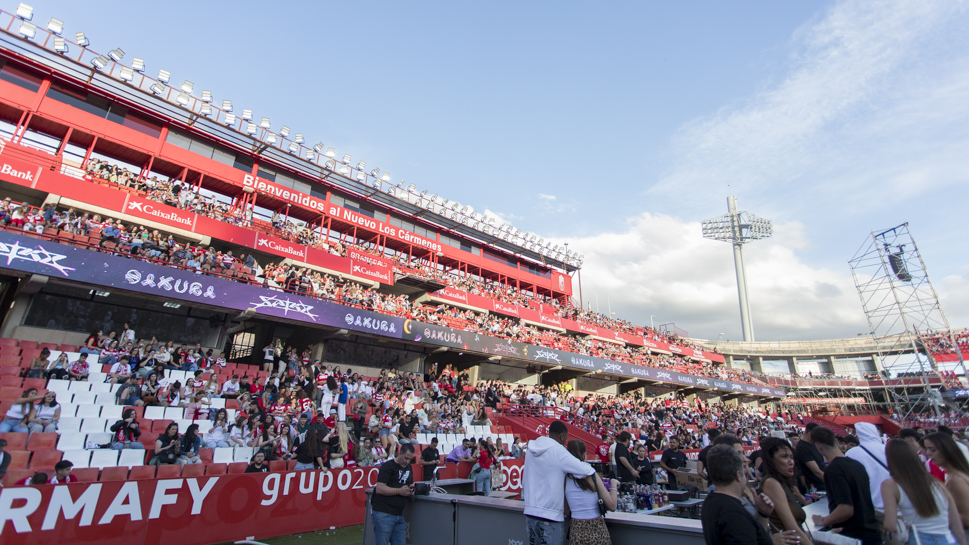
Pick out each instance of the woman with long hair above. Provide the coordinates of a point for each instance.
(58, 368)
(918, 499)
(778, 484)
(309, 455)
(267, 442)
(150, 389)
(486, 457)
(45, 415)
(191, 444)
(166, 447)
(17, 414)
(238, 432)
(943, 450)
(582, 495)
(218, 436)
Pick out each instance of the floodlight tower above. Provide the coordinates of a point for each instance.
(738, 228)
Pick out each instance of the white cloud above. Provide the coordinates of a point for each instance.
(682, 277)
(860, 107)
(545, 197)
(872, 112)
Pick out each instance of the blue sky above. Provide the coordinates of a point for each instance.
(618, 127)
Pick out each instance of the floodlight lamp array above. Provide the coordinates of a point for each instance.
(378, 179)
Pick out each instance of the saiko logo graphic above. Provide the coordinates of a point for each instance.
(149, 209)
(547, 355)
(40, 256)
(765, 391)
(169, 283)
(504, 348)
(615, 367)
(663, 375)
(286, 305)
(702, 382)
(372, 324)
(285, 248)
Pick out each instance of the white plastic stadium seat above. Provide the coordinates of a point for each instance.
(80, 458)
(223, 455)
(99, 387)
(105, 398)
(93, 425)
(112, 412)
(68, 409)
(217, 403)
(84, 398)
(99, 438)
(88, 411)
(243, 454)
(174, 413)
(96, 377)
(155, 413)
(79, 386)
(132, 457)
(69, 424)
(104, 458)
(70, 441)
(56, 385)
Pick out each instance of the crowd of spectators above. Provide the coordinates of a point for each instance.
(184, 196)
(164, 248)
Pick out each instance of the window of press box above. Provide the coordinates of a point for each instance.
(103, 108)
(208, 150)
(180, 323)
(21, 77)
(509, 261)
(364, 209)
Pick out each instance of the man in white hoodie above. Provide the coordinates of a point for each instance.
(547, 463)
(871, 454)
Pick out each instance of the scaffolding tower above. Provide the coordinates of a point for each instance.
(899, 300)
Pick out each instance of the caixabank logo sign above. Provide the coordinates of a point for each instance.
(154, 210)
(282, 247)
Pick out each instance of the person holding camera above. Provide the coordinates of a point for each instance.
(126, 432)
(395, 482)
(167, 447)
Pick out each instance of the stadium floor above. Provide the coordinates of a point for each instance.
(351, 535)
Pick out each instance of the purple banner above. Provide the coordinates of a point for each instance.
(110, 271)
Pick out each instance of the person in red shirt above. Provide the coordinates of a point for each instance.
(603, 449)
(80, 369)
(280, 408)
(62, 473)
(486, 457)
(303, 403)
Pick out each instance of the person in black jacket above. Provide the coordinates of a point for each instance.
(126, 432)
(724, 519)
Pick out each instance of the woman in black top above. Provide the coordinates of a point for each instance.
(642, 464)
(308, 452)
(166, 447)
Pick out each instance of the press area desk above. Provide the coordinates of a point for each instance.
(445, 519)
